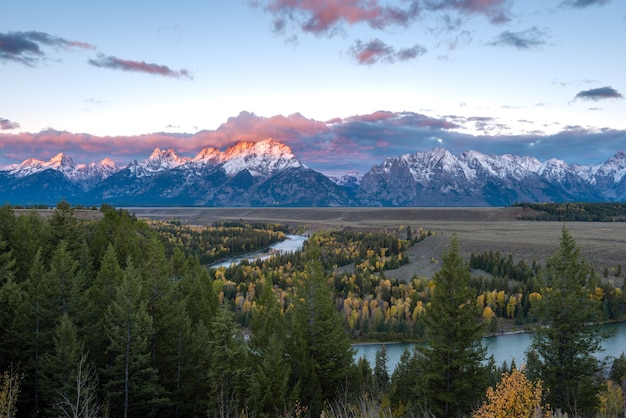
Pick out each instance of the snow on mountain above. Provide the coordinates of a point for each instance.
(351, 177)
(436, 178)
(208, 155)
(59, 162)
(164, 160)
(614, 168)
(260, 159)
(77, 173)
(555, 170)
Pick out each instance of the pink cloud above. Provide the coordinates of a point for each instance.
(326, 16)
(356, 141)
(83, 45)
(104, 61)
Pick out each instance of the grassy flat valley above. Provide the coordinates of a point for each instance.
(478, 229)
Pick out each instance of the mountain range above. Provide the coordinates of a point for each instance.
(267, 173)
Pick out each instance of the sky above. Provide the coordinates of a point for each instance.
(344, 83)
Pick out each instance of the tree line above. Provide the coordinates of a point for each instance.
(574, 211)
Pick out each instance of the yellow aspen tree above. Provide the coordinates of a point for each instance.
(510, 307)
(514, 396)
(480, 301)
(418, 311)
(500, 298)
(365, 312)
(488, 314)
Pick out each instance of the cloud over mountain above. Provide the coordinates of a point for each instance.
(334, 146)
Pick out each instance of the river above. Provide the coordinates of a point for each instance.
(291, 244)
(505, 347)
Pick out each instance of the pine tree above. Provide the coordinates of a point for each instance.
(36, 321)
(404, 381)
(381, 374)
(29, 235)
(562, 350)
(228, 370)
(322, 353)
(11, 298)
(452, 363)
(57, 367)
(131, 381)
(268, 345)
(99, 297)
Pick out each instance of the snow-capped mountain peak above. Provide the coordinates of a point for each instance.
(208, 154)
(60, 160)
(164, 160)
(614, 168)
(260, 159)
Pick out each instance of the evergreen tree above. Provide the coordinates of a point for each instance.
(321, 349)
(99, 297)
(131, 381)
(66, 283)
(29, 235)
(562, 350)
(64, 226)
(452, 363)
(381, 374)
(404, 381)
(36, 320)
(228, 370)
(270, 367)
(12, 297)
(57, 367)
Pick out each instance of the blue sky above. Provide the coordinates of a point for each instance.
(344, 83)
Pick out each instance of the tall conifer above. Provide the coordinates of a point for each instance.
(452, 363)
(563, 347)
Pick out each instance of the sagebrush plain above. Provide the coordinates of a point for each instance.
(478, 229)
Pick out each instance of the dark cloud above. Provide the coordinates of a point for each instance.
(107, 61)
(495, 10)
(26, 47)
(584, 3)
(333, 147)
(600, 93)
(376, 51)
(527, 39)
(6, 124)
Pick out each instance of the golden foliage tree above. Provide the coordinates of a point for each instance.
(514, 396)
(9, 390)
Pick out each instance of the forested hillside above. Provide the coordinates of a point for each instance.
(119, 316)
